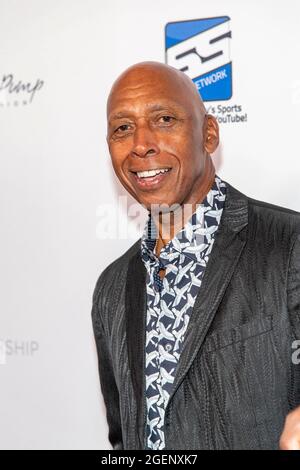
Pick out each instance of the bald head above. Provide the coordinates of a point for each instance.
(157, 75)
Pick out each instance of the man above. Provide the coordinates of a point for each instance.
(196, 323)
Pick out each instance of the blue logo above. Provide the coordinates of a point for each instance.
(201, 49)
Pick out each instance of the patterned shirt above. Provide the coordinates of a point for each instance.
(170, 300)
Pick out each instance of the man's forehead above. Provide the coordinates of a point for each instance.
(148, 98)
(125, 108)
(152, 85)
(143, 89)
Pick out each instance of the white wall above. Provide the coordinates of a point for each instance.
(55, 172)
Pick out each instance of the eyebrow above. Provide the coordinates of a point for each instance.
(151, 108)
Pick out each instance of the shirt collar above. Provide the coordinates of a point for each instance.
(195, 232)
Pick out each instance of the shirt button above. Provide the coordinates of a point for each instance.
(168, 347)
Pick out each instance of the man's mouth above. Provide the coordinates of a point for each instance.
(151, 178)
(151, 173)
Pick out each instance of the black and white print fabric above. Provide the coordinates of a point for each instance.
(170, 300)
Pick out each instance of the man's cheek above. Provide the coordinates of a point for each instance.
(121, 146)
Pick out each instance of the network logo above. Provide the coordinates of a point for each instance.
(201, 49)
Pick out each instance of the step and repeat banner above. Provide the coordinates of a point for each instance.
(65, 217)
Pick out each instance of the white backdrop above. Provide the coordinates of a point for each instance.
(55, 173)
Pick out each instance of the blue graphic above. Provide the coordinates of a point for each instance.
(201, 48)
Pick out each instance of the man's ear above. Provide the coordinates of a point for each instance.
(210, 133)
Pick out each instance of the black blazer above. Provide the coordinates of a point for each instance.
(235, 380)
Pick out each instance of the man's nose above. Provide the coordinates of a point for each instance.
(144, 143)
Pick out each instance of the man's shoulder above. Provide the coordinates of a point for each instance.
(114, 274)
(269, 213)
(273, 208)
(265, 213)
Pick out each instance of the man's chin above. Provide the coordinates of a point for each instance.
(162, 205)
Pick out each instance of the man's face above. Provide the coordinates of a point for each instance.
(155, 124)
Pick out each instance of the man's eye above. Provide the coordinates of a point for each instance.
(122, 128)
(166, 119)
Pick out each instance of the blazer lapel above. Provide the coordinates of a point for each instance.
(135, 312)
(228, 245)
